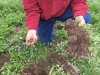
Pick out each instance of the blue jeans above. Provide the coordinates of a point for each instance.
(45, 27)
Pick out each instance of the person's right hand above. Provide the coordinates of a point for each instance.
(31, 37)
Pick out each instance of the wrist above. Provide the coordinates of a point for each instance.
(33, 30)
(79, 16)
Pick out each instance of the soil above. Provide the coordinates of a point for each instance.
(3, 59)
(78, 47)
(78, 40)
(18, 28)
(40, 67)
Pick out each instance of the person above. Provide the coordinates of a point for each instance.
(42, 14)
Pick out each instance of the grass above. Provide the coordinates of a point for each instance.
(12, 15)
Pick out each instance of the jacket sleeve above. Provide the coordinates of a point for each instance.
(79, 7)
(32, 11)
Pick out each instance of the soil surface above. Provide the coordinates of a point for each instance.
(78, 47)
(40, 67)
(3, 59)
(18, 28)
(78, 40)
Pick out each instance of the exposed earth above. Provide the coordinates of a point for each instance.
(78, 40)
(3, 59)
(40, 67)
(78, 47)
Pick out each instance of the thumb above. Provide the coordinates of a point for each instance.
(80, 20)
(82, 23)
(29, 39)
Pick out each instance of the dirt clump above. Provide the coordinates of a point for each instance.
(40, 67)
(78, 46)
(78, 40)
(3, 59)
(17, 29)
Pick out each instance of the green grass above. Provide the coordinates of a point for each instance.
(11, 15)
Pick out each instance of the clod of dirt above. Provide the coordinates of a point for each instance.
(18, 28)
(78, 39)
(3, 59)
(40, 67)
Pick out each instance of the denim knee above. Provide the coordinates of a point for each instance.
(87, 18)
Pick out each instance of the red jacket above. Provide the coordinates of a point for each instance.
(46, 9)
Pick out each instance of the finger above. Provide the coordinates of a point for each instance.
(82, 24)
(34, 39)
(30, 42)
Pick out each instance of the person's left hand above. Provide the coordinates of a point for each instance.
(81, 20)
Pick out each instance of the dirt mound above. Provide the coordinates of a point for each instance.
(3, 59)
(78, 39)
(40, 67)
(78, 46)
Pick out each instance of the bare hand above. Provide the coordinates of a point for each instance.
(31, 37)
(81, 20)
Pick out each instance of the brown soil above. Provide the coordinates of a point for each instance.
(40, 67)
(78, 46)
(78, 39)
(3, 59)
(18, 28)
